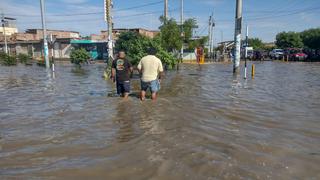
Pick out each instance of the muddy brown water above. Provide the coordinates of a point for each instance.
(206, 124)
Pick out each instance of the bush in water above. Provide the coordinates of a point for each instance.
(8, 60)
(79, 56)
(24, 58)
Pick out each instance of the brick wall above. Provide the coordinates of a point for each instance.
(58, 34)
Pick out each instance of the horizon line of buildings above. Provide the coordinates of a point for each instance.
(31, 41)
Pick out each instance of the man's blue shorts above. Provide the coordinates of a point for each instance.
(153, 85)
(123, 87)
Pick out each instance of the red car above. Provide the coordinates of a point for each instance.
(299, 56)
(296, 55)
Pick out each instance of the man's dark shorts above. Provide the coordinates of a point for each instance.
(123, 87)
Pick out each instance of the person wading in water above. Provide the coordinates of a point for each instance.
(151, 70)
(121, 72)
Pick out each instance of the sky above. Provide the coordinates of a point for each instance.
(264, 18)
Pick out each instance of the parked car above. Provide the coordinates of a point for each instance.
(295, 54)
(276, 54)
(313, 54)
(260, 55)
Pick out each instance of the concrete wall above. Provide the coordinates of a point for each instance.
(57, 33)
(9, 30)
(65, 50)
(61, 49)
(189, 57)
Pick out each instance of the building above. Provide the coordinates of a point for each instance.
(59, 34)
(116, 32)
(97, 49)
(31, 43)
(9, 28)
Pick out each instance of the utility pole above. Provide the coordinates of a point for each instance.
(182, 29)
(166, 9)
(209, 35)
(247, 42)
(108, 19)
(44, 32)
(221, 35)
(246, 52)
(213, 24)
(237, 36)
(52, 40)
(4, 34)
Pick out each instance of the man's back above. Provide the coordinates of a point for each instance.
(150, 66)
(122, 67)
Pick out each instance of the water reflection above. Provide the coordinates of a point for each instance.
(125, 119)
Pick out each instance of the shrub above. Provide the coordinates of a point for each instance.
(8, 60)
(79, 56)
(24, 58)
(2, 57)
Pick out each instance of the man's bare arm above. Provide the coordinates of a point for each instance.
(113, 74)
(161, 75)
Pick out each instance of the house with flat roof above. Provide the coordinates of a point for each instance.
(31, 43)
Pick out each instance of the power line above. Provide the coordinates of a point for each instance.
(89, 13)
(100, 19)
(275, 15)
(139, 6)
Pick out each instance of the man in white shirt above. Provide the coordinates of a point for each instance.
(151, 70)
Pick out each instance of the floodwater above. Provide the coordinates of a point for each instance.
(206, 124)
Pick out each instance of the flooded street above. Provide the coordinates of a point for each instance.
(206, 124)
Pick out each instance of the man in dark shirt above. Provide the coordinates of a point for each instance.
(121, 71)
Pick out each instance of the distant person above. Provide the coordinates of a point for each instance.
(120, 73)
(199, 53)
(151, 70)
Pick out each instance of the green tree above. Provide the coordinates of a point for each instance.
(289, 40)
(256, 43)
(188, 26)
(311, 38)
(170, 35)
(79, 56)
(197, 42)
(136, 46)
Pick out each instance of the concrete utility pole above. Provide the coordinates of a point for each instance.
(182, 30)
(246, 52)
(52, 40)
(213, 24)
(166, 9)
(237, 36)
(4, 33)
(209, 35)
(108, 19)
(247, 42)
(44, 32)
